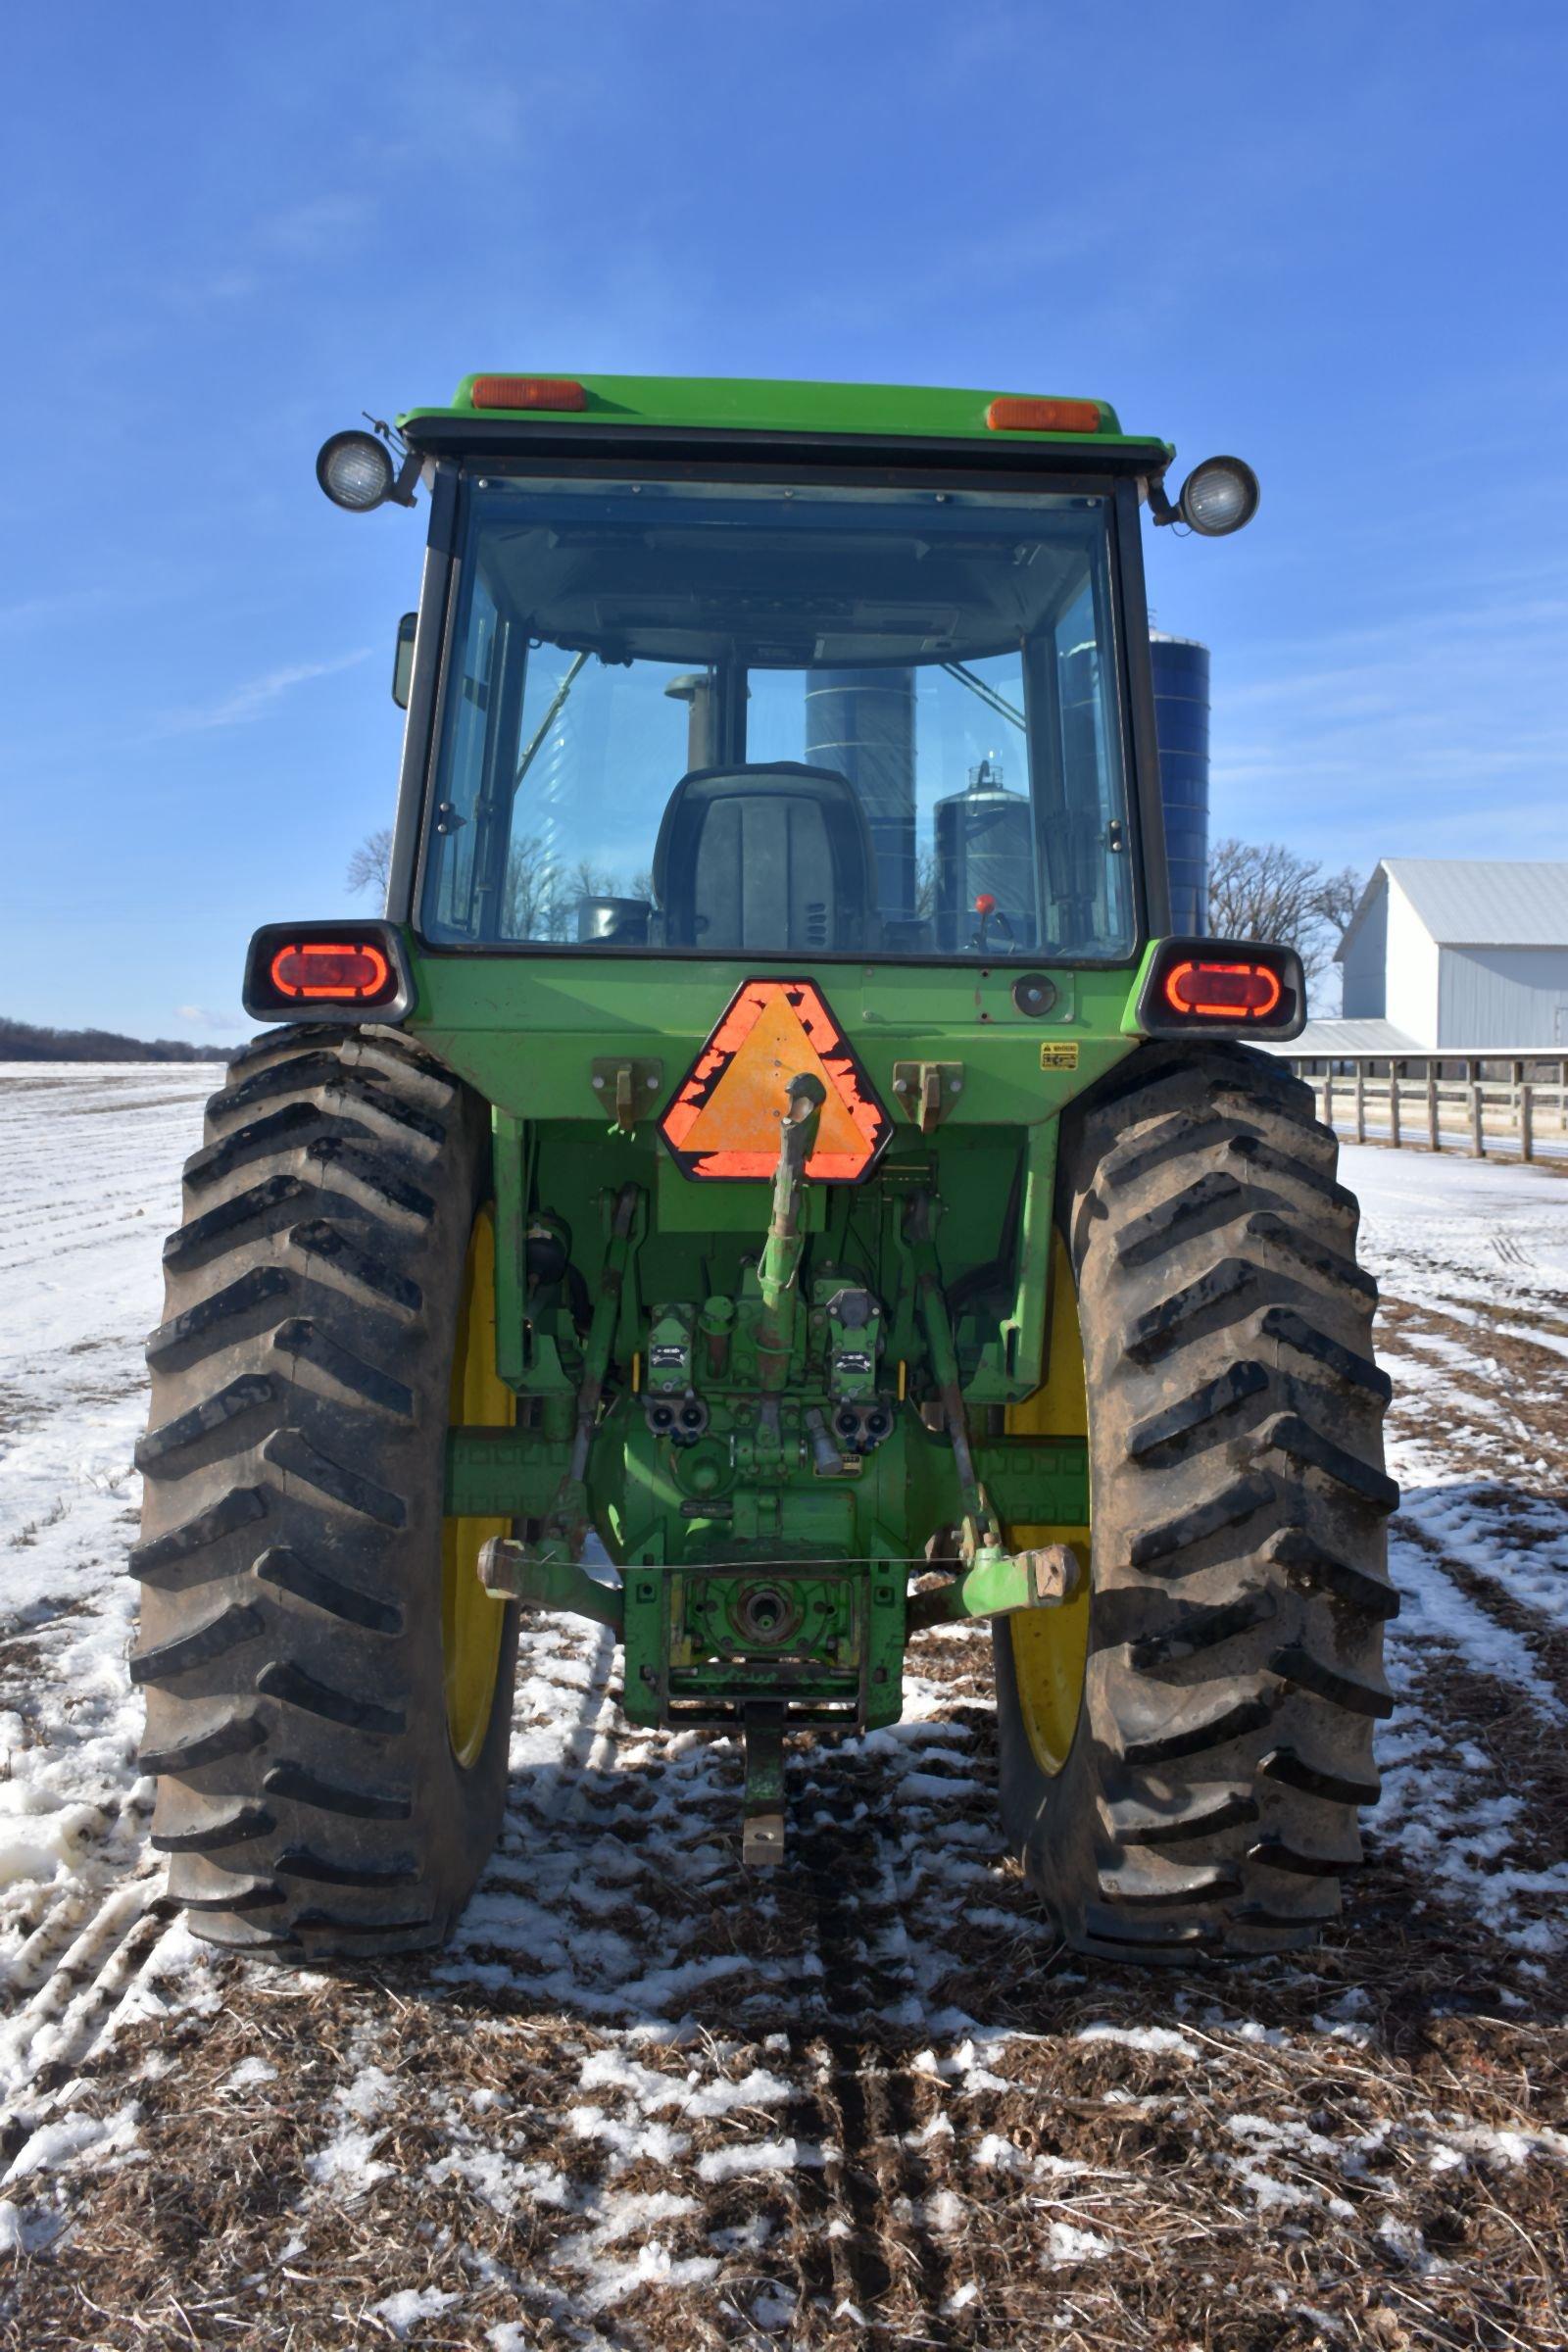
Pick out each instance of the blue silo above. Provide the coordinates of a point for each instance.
(1181, 729)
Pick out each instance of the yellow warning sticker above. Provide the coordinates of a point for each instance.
(1060, 1058)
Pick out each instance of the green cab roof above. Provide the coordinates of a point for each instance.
(672, 404)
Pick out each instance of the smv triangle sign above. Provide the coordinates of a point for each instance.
(724, 1119)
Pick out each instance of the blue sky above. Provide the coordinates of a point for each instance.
(1329, 239)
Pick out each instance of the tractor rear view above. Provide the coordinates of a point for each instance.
(771, 1185)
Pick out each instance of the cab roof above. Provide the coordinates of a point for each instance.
(667, 407)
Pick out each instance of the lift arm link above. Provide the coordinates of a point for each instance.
(541, 1577)
(569, 1511)
(996, 1588)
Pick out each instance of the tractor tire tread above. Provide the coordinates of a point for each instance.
(240, 1826)
(1210, 1801)
(290, 1650)
(289, 1573)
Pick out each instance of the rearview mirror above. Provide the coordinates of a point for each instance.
(403, 660)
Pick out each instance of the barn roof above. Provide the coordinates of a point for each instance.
(1326, 1039)
(1477, 901)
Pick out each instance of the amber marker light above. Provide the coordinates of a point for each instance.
(346, 971)
(1223, 991)
(528, 392)
(1010, 414)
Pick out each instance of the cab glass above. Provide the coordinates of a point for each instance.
(781, 720)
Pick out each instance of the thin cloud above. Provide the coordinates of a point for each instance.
(1433, 732)
(42, 612)
(257, 696)
(321, 226)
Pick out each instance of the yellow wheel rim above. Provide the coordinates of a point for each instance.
(1050, 1646)
(470, 1621)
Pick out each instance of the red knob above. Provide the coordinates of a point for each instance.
(985, 903)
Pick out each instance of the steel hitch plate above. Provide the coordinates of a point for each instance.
(763, 1807)
(629, 1090)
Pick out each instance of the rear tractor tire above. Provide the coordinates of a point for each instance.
(1183, 1753)
(328, 1691)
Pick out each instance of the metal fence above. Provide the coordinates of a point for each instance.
(1513, 1104)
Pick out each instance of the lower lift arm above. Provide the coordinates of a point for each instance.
(995, 1581)
(767, 1677)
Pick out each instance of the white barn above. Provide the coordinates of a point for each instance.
(1469, 954)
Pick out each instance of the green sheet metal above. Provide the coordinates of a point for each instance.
(786, 409)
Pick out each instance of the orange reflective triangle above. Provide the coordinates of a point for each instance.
(724, 1120)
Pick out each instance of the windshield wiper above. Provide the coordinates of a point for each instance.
(988, 694)
(579, 662)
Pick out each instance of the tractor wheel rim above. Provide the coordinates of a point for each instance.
(471, 1622)
(1050, 1646)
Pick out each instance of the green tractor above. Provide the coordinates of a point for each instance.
(771, 1186)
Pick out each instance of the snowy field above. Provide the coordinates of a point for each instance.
(644, 2102)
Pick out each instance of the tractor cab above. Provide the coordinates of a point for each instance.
(815, 692)
(781, 717)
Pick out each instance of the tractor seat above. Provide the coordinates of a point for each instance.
(773, 857)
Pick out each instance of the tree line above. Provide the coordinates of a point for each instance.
(1261, 890)
(26, 1041)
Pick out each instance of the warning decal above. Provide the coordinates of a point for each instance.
(724, 1120)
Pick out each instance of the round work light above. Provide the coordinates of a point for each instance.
(355, 469)
(1220, 496)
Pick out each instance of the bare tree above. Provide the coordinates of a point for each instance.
(371, 862)
(1261, 890)
(589, 881)
(528, 903)
(925, 882)
(1339, 897)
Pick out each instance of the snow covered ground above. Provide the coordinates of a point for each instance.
(645, 2101)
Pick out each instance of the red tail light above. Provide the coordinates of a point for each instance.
(1223, 991)
(1228, 986)
(327, 971)
(320, 968)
